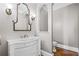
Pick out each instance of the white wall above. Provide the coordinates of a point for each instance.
(6, 26)
(65, 23)
(60, 5)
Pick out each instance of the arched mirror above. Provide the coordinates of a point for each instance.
(22, 22)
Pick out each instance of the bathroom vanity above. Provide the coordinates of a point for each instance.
(24, 47)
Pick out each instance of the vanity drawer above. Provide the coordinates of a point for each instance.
(25, 44)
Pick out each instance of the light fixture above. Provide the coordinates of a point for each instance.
(33, 18)
(8, 9)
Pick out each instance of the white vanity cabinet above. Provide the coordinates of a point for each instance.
(24, 47)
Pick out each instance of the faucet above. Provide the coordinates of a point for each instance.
(24, 36)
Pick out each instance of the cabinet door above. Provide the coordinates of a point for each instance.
(25, 49)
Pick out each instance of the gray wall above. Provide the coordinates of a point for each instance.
(65, 25)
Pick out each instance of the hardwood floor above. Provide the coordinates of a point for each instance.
(64, 52)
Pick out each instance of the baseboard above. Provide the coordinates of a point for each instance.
(68, 47)
(45, 53)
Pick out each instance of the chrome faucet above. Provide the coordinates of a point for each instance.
(24, 36)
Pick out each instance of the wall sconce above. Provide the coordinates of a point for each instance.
(8, 11)
(33, 18)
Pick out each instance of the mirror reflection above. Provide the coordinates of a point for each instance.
(44, 18)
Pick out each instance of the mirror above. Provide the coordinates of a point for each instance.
(43, 22)
(22, 22)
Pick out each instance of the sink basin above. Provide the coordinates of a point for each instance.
(27, 39)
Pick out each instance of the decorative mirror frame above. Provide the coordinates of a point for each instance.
(14, 22)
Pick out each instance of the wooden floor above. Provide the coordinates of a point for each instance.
(64, 52)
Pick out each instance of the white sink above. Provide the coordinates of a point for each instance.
(17, 40)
